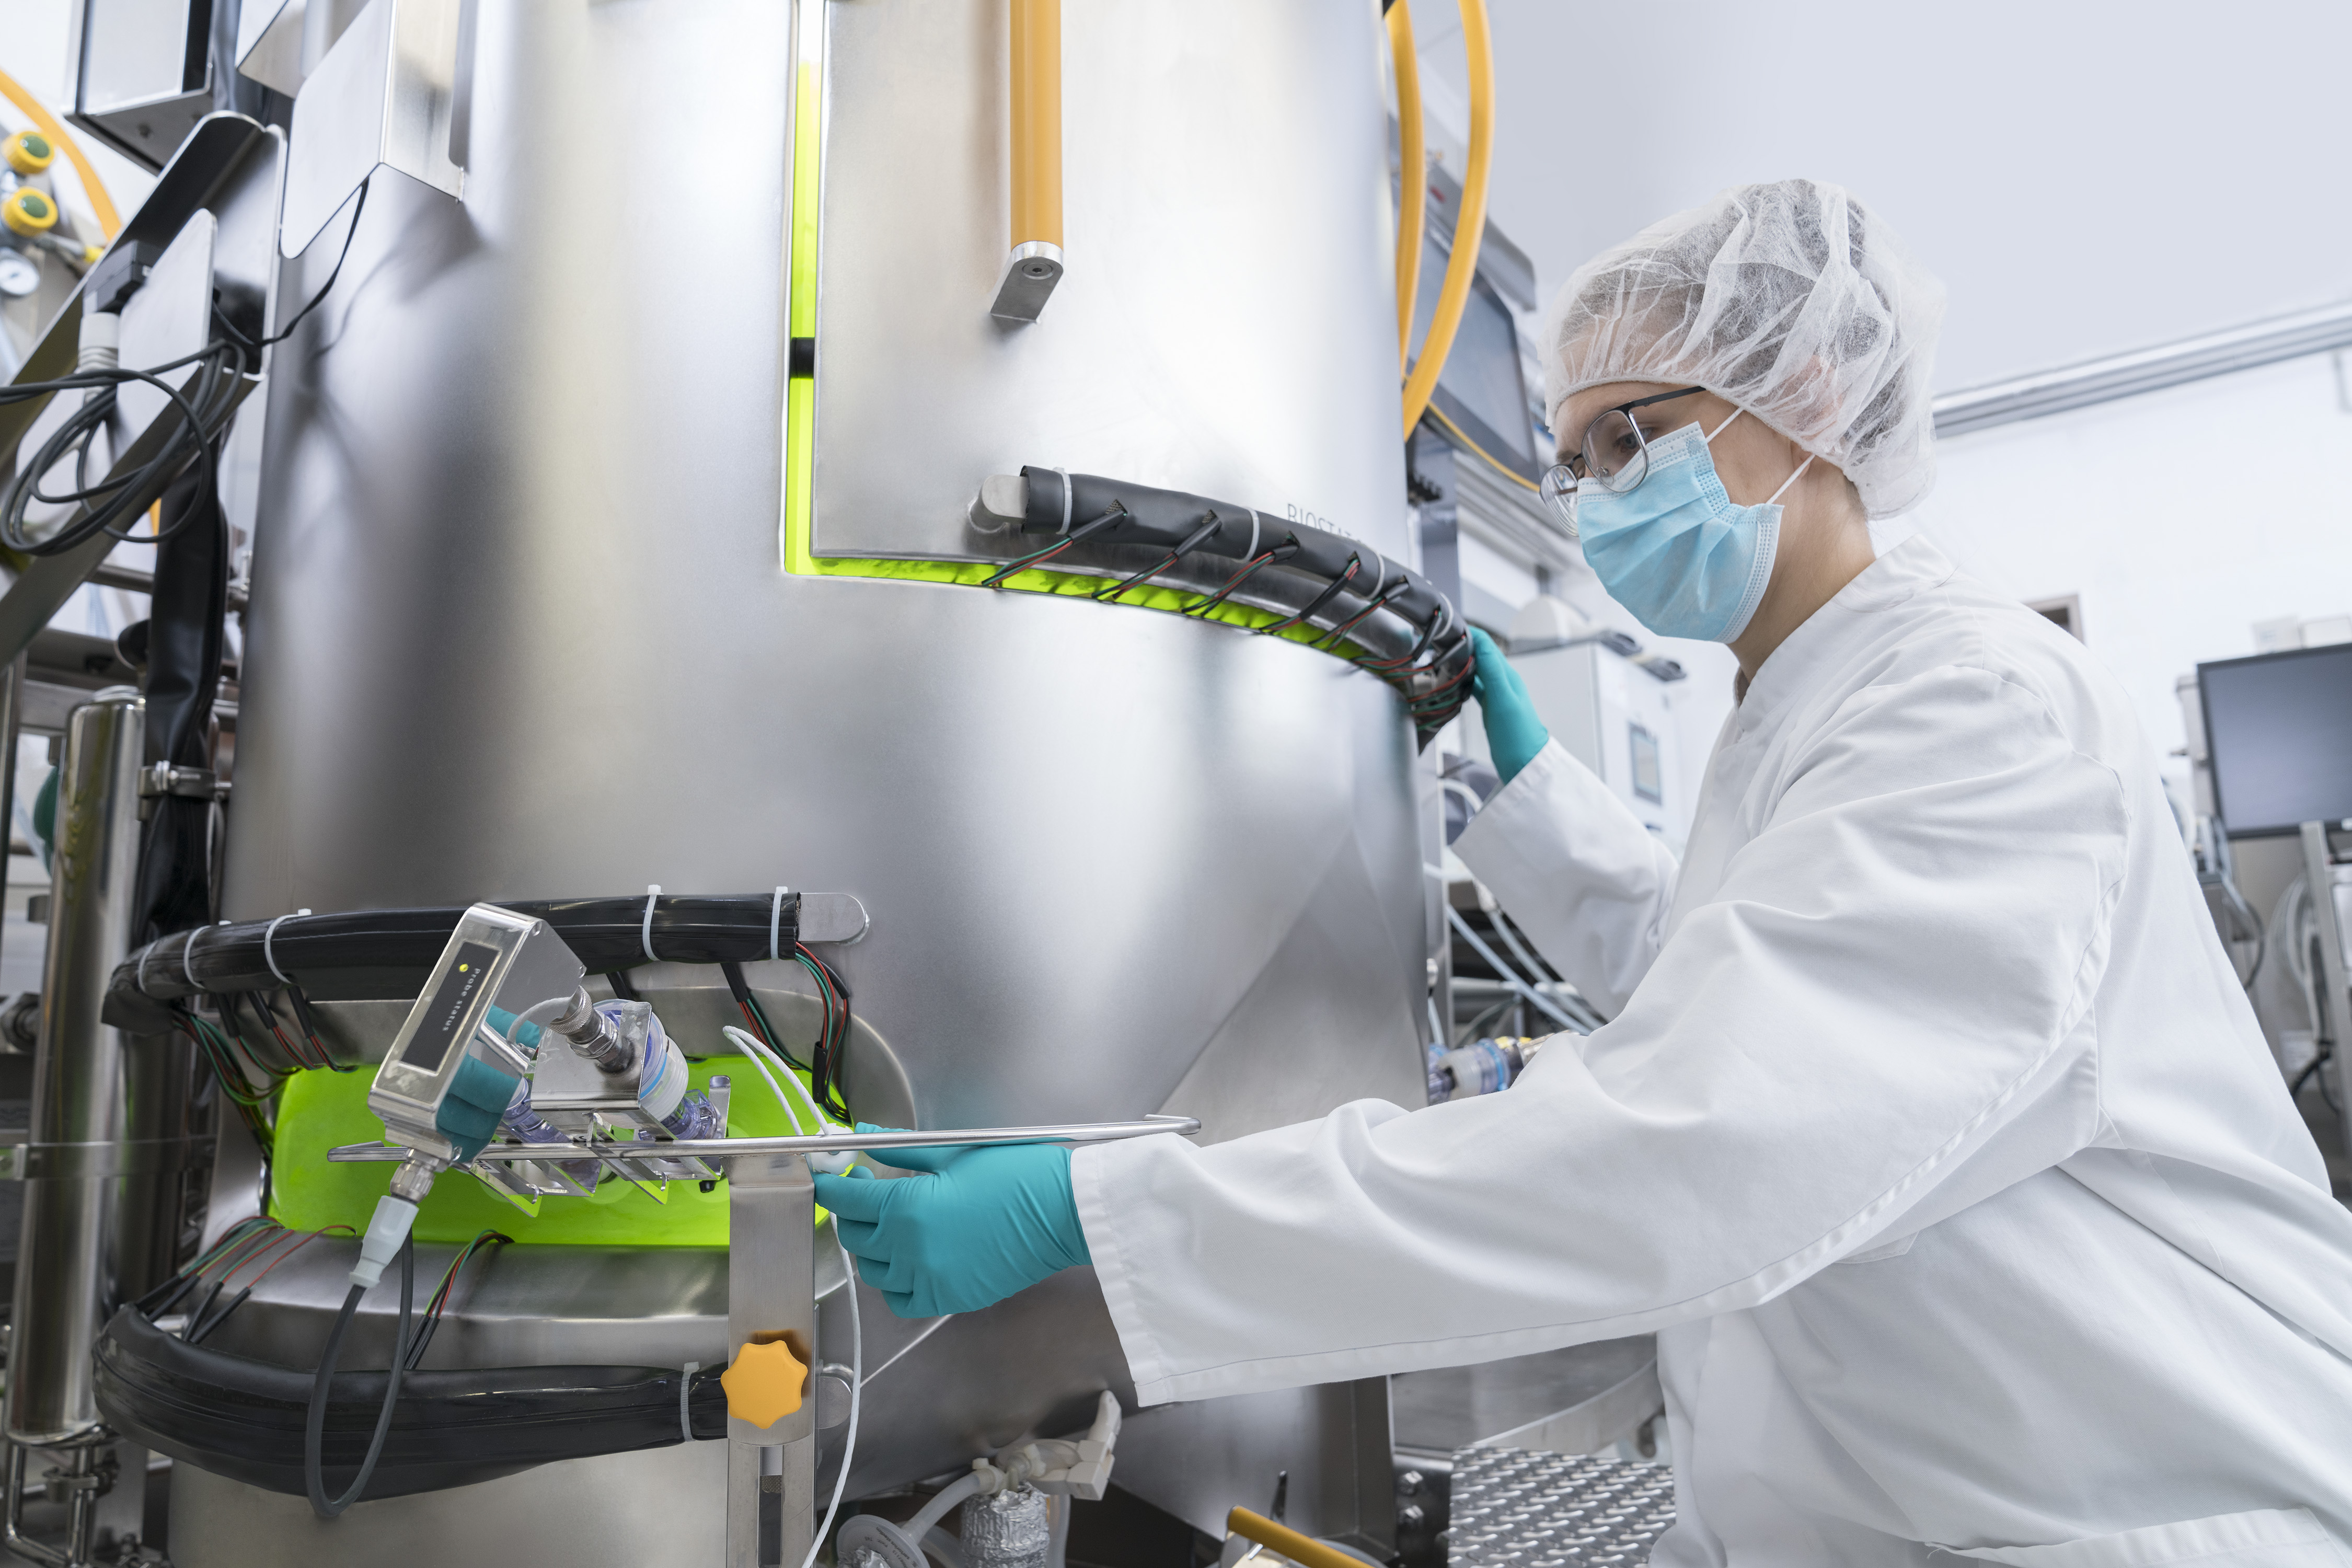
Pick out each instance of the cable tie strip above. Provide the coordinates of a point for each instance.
(269, 935)
(1251, 553)
(144, 955)
(1066, 500)
(685, 1383)
(187, 952)
(776, 922)
(646, 933)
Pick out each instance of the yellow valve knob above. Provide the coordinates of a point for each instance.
(29, 153)
(766, 1384)
(28, 212)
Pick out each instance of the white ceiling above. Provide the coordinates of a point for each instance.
(2086, 178)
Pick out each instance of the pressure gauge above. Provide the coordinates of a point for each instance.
(19, 274)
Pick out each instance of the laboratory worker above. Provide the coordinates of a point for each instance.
(1931, 1131)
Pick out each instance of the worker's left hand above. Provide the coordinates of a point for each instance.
(974, 1226)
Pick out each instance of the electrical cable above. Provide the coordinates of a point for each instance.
(1036, 558)
(314, 1427)
(1175, 554)
(114, 507)
(1470, 222)
(440, 1300)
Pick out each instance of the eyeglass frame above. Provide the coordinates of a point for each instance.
(1559, 482)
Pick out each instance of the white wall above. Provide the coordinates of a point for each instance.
(2086, 178)
(2180, 517)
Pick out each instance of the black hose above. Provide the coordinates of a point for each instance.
(314, 1430)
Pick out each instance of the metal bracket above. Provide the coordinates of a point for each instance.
(1030, 274)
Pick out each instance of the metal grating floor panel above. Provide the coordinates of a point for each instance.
(1513, 1507)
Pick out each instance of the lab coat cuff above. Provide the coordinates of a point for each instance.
(1094, 1172)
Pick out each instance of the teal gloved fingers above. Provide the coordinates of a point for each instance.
(968, 1228)
(1514, 733)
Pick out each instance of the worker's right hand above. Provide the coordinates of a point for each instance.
(1514, 733)
(975, 1223)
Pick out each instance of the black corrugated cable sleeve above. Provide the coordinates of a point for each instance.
(375, 954)
(1437, 644)
(243, 1419)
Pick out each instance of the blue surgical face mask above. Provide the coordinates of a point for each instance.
(1674, 549)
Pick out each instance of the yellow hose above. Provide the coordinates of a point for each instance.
(108, 223)
(1469, 224)
(1299, 1548)
(1412, 177)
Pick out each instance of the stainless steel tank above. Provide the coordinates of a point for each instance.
(522, 627)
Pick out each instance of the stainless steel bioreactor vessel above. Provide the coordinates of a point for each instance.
(609, 503)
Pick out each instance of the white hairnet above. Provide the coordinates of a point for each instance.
(1789, 300)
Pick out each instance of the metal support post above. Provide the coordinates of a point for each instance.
(771, 1296)
(111, 1137)
(2319, 873)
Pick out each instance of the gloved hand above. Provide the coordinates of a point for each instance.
(980, 1222)
(1514, 733)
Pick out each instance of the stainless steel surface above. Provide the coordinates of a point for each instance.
(1107, 853)
(2143, 370)
(280, 42)
(383, 98)
(1511, 1509)
(1574, 1401)
(833, 917)
(655, 1508)
(229, 167)
(131, 61)
(1197, 1460)
(741, 1148)
(771, 1296)
(93, 1239)
(2318, 861)
(1226, 178)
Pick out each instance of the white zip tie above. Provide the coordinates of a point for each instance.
(1251, 553)
(187, 951)
(776, 923)
(1065, 499)
(144, 955)
(685, 1428)
(267, 937)
(646, 933)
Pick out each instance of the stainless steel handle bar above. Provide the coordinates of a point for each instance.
(722, 1147)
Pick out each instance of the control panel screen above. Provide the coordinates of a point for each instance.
(429, 1047)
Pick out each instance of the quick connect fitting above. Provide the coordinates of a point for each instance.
(393, 1218)
(593, 1035)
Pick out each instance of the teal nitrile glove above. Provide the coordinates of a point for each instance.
(980, 1222)
(1514, 733)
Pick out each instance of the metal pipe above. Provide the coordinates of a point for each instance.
(732, 1148)
(1413, 176)
(112, 1121)
(1469, 226)
(2143, 370)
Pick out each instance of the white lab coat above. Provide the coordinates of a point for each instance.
(1932, 1134)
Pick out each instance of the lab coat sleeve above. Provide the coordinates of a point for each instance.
(1577, 871)
(1897, 968)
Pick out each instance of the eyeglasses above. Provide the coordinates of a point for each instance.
(1611, 455)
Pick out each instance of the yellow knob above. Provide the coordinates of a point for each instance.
(29, 153)
(766, 1383)
(29, 212)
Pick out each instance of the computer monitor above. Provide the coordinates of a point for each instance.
(2278, 729)
(1481, 389)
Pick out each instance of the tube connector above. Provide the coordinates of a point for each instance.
(394, 1215)
(593, 1035)
(101, 342)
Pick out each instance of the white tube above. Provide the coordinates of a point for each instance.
(941, 1506)
(385, 1232)
(757, 1058)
